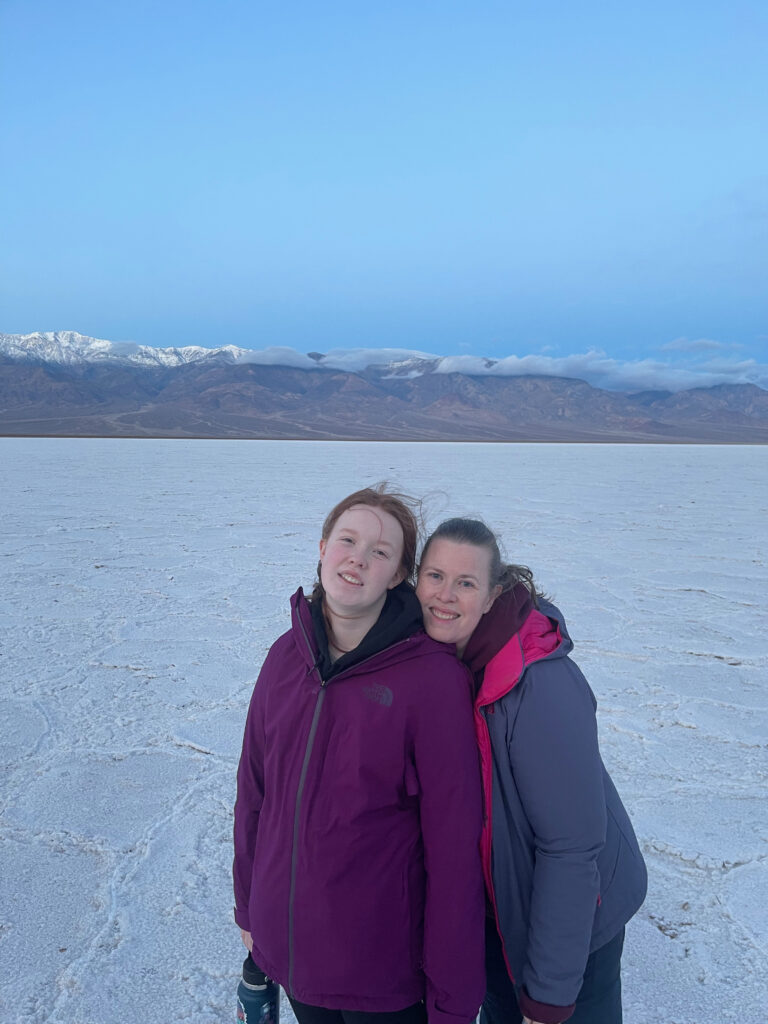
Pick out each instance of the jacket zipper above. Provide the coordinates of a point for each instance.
(296, 815)
(302, 780)
(485, 710)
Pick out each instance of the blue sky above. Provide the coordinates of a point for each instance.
(463, 178)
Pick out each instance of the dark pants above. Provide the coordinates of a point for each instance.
(598, 1002)
(305, 1014)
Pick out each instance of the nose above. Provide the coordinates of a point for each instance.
(445, 592)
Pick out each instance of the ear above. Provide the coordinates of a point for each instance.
(397, 578)
(491, 598)
(322, 545)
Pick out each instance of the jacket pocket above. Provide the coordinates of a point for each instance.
(608, 861)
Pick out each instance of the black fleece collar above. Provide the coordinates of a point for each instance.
(400, 618)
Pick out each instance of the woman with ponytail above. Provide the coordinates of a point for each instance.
(563, 870)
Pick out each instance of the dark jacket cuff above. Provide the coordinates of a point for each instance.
(545, 1013)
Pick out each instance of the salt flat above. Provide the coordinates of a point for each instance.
(142, 583)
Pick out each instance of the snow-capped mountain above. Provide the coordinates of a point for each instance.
(68, 348)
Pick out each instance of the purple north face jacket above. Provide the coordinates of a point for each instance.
(358, 815)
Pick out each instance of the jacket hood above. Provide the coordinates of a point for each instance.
(542, 636)
(553, 613)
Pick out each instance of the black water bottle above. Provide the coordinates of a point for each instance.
(258, 998)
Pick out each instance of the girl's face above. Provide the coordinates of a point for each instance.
(455, 590)
(360, 560)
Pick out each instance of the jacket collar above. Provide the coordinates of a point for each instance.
(504, 618)
(538, 638)
(400, 620)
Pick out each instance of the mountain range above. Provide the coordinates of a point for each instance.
(66, 384)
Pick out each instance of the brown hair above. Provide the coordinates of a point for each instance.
(400, 506)
(474, 531)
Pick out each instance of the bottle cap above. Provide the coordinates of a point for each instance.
(253, 975)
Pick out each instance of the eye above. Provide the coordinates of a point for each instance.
(380, 553)
(467, 584)
(432, 575)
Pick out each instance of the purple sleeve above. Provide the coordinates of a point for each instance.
(448, 770)
(250, 796)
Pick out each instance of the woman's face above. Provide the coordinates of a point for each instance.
(455, 590)
(360, 560)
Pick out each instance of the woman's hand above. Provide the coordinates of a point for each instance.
(247, 940)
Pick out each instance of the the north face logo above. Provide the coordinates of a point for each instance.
(379, 694)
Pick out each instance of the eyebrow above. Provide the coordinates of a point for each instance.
(436, 568)
(356, 533)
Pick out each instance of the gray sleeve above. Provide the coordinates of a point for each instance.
(559, 776)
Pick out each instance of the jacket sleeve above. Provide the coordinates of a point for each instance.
(250, 796)
(558, 772)
(450, 794)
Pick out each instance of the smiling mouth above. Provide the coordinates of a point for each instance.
(444, 616)
(351, 579)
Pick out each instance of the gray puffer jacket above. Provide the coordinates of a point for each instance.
(562, 865)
